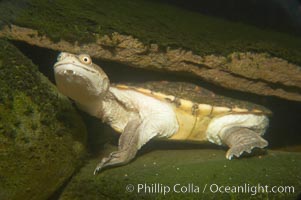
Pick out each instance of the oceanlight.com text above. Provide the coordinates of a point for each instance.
(158, 188)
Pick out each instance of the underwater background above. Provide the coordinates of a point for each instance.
(248, 50)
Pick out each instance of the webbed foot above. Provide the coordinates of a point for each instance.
(116, 158)
(242, 140)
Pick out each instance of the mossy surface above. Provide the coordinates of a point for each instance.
(42, 139)
(151, 22)
(193, 170)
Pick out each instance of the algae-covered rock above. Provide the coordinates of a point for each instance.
(191, 174)
(42, 139)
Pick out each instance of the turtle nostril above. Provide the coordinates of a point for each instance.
(61, 56)
(69, 72)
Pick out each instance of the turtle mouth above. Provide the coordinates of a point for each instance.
(71, 71)
(72, 65)
(73, 76)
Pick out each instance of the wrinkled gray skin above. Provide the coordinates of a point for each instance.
(138, 117)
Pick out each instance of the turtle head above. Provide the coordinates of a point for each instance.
(78, 78)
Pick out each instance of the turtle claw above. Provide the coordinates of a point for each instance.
(96, 171)
(114, 159)
(100, 166)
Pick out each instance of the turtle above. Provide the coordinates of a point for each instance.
(176, 111)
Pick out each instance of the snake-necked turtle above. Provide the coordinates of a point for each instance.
(174, 111)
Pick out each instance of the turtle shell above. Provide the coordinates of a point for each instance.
(197, 94)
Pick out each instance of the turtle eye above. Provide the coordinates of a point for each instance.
(85, 59)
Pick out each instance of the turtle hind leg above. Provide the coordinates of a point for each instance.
(241, 140)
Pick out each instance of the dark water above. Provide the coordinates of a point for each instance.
(280, 15)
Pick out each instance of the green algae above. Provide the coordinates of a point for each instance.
(202, 168)
(42, 139)
(151, 22)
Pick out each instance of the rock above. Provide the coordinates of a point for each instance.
(231, 55)
(42, 139)
(198, 173)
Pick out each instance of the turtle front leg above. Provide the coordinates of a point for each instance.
(130, 142)
(240, 140)
(127, 148)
